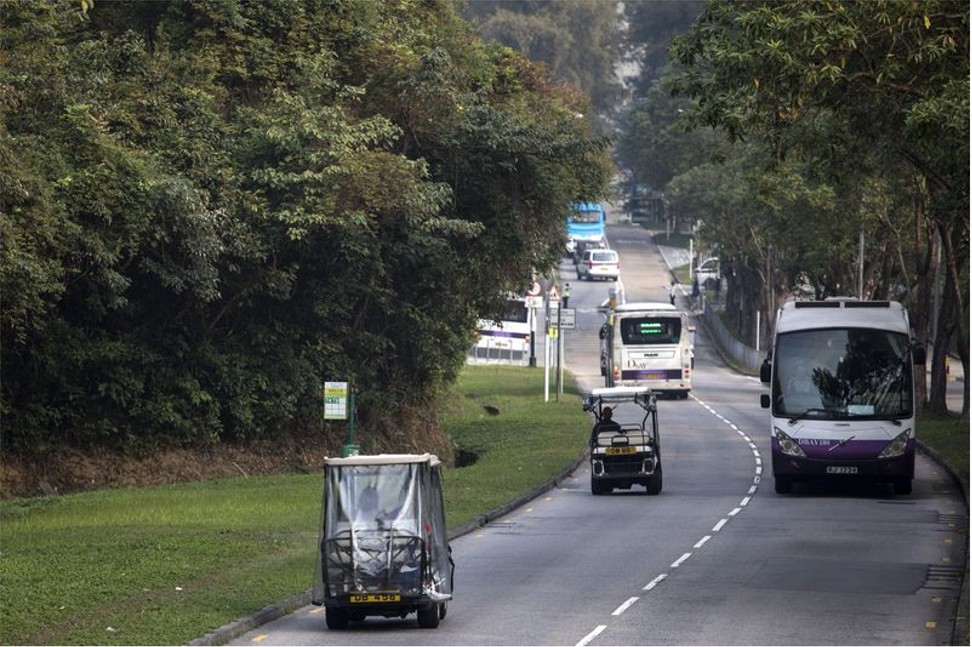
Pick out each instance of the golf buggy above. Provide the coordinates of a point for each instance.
(624, 454)
(383, 548)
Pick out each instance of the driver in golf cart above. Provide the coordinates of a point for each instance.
(606, 423)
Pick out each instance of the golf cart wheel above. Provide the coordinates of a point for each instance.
(336, 618)
(428, 617)
(442, 610)
(597, 488)
(783, 484)
(654, 485)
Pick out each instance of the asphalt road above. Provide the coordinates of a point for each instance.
(716, 558)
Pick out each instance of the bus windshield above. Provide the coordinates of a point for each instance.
(636, 331)
(843, 373)
(588, 216)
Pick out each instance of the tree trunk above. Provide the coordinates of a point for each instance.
(942, 341)
(925, 288)
(959, 299)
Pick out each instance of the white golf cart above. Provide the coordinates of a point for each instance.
(624, 454)
(383, 548)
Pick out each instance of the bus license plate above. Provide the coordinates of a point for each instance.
(841, 469)
(614, 451)
(374, 597)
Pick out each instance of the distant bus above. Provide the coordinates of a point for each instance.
(506, 341)
(842, 392)
(648, 344)
(646, 206)
(585, 222)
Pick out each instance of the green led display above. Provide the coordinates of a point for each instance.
(650, 328)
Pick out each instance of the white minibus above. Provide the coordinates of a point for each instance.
(842, 392)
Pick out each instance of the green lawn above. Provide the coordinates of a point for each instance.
(164, 565)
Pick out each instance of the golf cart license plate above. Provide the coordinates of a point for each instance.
(613, 451)
(841, 469)
(375, 597)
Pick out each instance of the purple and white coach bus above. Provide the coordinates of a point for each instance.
(506, 341)
(842, 394)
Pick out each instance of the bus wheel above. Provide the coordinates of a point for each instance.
(783, 485)
(902, 486)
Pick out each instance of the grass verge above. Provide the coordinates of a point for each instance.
(945, 434)
(164, 565)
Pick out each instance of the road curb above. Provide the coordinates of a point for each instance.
(960, 630)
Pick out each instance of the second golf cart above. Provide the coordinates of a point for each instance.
(624, 454)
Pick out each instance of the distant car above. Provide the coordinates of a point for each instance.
(599, 264)
(708, 271)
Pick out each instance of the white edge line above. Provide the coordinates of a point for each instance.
(591, 636)
(624, 607)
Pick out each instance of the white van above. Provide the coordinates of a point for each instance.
(708, 270)
(599, 264)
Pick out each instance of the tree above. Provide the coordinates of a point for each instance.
(579, 42)
(890, 77)
(208, 209)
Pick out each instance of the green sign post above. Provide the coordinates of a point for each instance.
(339, 405)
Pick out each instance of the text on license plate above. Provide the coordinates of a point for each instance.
(841, 469)
(613, 451)
(375, 597)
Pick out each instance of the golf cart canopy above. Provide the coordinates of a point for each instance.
(383, 529)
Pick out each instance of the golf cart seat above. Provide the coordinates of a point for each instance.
(627, 435)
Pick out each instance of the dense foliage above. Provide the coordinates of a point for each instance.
(845, 125)
(208, 208)
(578, 41)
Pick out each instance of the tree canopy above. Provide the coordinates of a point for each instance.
(579, 42)
(210, 208)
